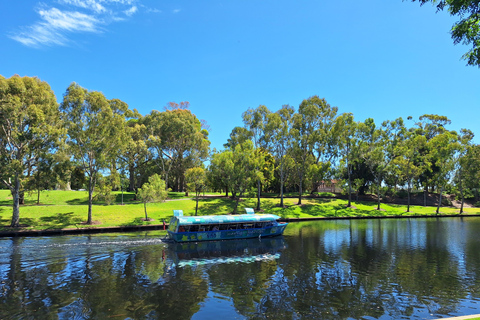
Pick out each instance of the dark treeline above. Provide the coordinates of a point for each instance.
(90, 142)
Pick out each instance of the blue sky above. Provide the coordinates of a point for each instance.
(375, 58)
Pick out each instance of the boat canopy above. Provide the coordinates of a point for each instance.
(191, 220)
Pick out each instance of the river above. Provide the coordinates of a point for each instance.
(425, 268)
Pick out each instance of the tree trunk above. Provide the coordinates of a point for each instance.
(281, 189)
(350, 188)
(461, 192)
(259, 191)
(378, 194)
(439, 200)
(16, 203)
(131, 178)
(38, 196)
(425, 197)
(196, 206)
(90, 200)
(300, 191)
(145, 208)
(409, 189)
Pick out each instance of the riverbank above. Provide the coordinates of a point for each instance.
(163, 227)
(64, 212)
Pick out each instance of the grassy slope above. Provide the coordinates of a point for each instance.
(68, 209)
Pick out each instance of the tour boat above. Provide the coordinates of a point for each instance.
(224, 227)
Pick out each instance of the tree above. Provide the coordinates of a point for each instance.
(408, 162)
(379, 147)
(96, 131)
(310, 124)
(462, 162)
(152, 191)
(29, 128)
(196, 179)
(443, 147)
(237, 167)
(136, 153)
(255, 121)
(347, 143)
(467, 30)
(278, 130)
(177, 140)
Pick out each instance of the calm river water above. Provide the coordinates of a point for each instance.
(358, 269)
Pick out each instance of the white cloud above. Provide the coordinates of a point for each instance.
(176, 10)
(86, 4)
(54, 25)
(57, 25)
(131, 11)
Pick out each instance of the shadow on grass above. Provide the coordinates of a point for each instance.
(215, 206)
(127, 198)
(139, 222)
(60, 220)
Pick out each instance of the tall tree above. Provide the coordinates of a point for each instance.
(467, 29)
(443, 147)
(309, 126)
(408, 162)
(238, 168)
(196, 180)
(96, 131)
(178, 141)
(255, 121)
(278, 130)
(29, 127)
(462, 162)
(136, 152)
(347, 145)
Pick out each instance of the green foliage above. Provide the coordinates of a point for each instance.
(467, 29)
(196, 181)
(29, 130)
(152, 191)
(96, 131)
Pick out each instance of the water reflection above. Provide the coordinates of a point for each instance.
(365, 269)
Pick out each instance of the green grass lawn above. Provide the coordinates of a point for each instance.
(68, 209)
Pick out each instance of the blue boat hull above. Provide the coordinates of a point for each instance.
(270, 231)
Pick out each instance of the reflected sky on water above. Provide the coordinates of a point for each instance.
(344, 269)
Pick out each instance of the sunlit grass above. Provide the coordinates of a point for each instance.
(68, 209)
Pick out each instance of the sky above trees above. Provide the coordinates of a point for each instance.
(379, 59)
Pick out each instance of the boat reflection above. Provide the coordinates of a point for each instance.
(226, 251)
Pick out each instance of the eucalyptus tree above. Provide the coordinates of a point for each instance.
(278, 129)
(325, 147)
(470, 168)
(238, 167)
(96, 131)
(196, 181)
(461, 162)
(255, 121)
(152, 191)
(379, 147)
(348, 143)
(310, 125)
(443, 147)
(136, 152)
(430, 125)
(238, 136)
(408, 161)
(176, 138)
(30, 128)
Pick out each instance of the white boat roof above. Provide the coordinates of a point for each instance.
(183, 220)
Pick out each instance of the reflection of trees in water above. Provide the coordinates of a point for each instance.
(329, 270)
(378, 270)
(95, 284)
